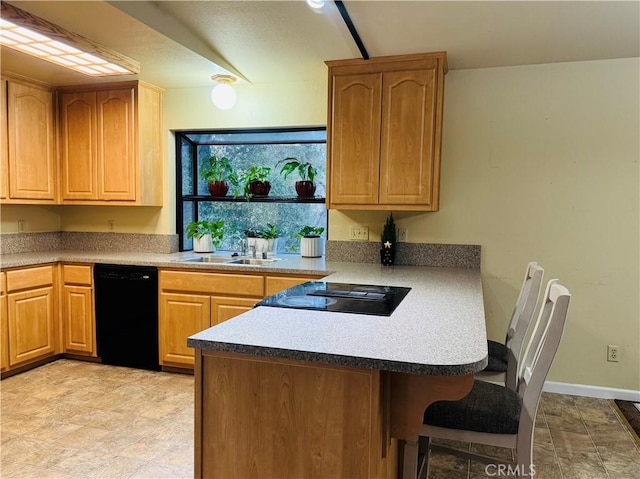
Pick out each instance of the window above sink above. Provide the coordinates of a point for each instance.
(246, 148)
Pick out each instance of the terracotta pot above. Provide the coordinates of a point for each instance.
(305, 189)
(259, 188)
(218, 188)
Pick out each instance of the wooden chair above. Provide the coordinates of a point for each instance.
(493, 414)
(504, 357)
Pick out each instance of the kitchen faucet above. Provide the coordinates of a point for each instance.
(243, 247)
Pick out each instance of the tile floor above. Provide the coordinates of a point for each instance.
(72, 419)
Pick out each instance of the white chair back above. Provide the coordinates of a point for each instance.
(542, 348)
(521, 319)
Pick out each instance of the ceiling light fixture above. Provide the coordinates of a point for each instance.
(34, 36)
(223, 95)
(317, 4)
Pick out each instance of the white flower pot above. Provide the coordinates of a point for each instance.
(273, 246)
(263, 245)
(311, 247)
(203, 245)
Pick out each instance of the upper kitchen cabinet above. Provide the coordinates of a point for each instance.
(4, 144)
(384, 132)
(111, 144)
(28, 161)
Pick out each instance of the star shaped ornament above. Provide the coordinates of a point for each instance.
(387, 244)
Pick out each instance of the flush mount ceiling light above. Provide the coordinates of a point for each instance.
(34, 36)
(223, 95)
(315, 3)
(317, 6)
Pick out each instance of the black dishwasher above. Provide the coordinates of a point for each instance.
(127, 315)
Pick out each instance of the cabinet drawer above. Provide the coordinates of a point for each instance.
(275, 284)
(29, 278)
(76, 274)
(212, 283)
(3, 283)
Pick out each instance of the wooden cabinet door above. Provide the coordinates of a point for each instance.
(117, 155)
(4, 147)
(31, 324)
(78, 146)
(77, 317)
(355, 139)
(408, 121)
(224, 307)
(32, 165)
(4, 329)
(181, 315)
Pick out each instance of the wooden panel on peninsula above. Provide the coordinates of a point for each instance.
(279, 418)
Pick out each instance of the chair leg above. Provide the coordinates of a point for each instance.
(524, 450)
(410, 459)
(424, 443)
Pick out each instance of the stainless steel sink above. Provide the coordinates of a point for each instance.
(253, 261)
(204, 259)
(226, 260)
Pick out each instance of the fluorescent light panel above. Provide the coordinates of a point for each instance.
(26, 40)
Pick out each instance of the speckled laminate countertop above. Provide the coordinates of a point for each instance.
(439, 328)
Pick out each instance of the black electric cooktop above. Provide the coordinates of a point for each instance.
(339, 297)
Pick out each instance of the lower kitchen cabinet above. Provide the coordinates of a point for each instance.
(4, 332)
(192, 301)
(78, 320)
(181, 315)
(223, 307)
(31, 314)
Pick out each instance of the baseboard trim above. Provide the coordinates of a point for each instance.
(591, 391)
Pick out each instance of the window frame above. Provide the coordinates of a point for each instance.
(196, 199)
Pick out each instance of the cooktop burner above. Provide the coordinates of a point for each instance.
(339, 297)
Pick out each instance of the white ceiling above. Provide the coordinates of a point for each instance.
(265, 41)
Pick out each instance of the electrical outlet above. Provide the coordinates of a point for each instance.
(402, 235)
(358, 233)
(110, 225)
(21, 226)
(613, 353)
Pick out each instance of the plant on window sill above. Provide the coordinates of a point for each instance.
(305, 187)
(252, 182)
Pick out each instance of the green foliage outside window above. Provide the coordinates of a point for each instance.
(239, 216)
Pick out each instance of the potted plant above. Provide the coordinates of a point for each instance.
(263, 239)
(388, 240)
(310, 241)
(271, 234)
(253, 182)
(207, 235)
(305, 187)
(217, 172)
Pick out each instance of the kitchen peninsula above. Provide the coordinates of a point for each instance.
(298, 393)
